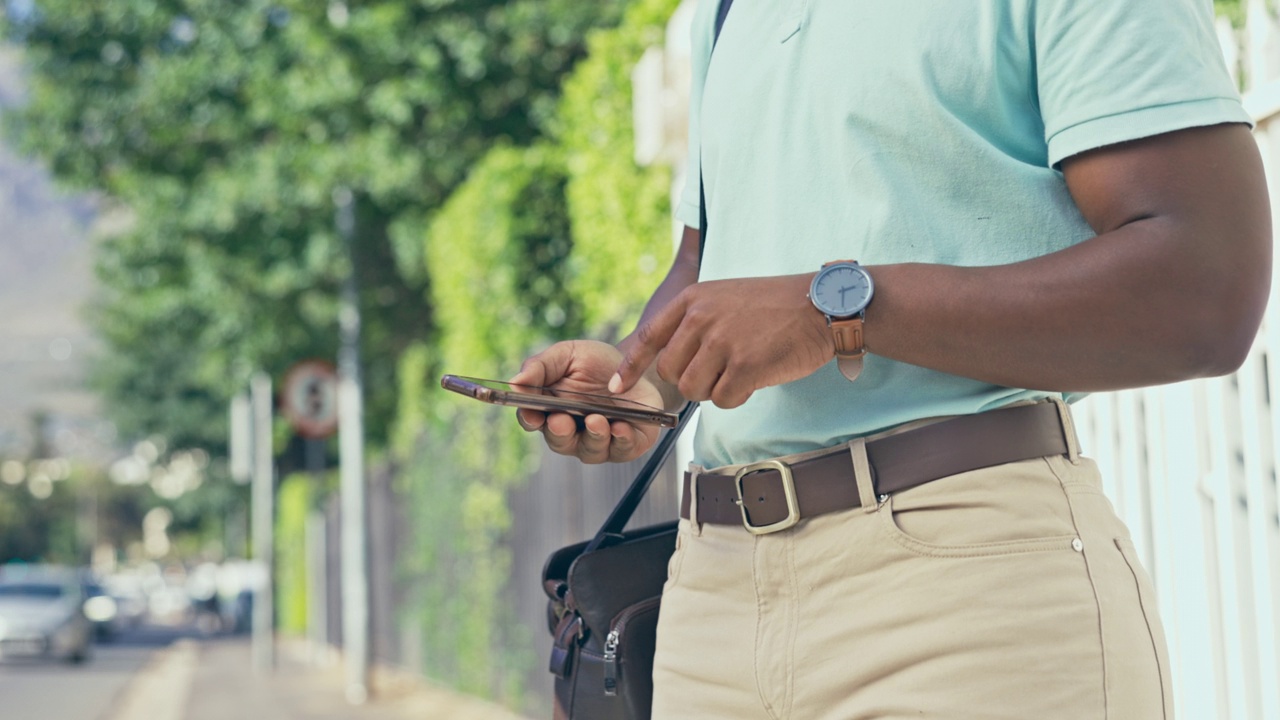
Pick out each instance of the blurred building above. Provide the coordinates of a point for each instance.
(46, 279)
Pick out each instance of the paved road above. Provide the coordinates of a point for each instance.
(41, 691)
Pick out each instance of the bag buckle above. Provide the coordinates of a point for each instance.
(788, 490)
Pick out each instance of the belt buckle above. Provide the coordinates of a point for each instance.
(788, 489)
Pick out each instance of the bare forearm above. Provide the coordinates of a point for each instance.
(1172, 288)
(1099, 316)
(683, 273)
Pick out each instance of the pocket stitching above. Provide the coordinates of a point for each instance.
(1127, 552)
(972, 550)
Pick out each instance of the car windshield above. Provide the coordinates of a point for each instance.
(31, 590)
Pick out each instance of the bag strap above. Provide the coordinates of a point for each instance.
(626, 507)
(722, 12)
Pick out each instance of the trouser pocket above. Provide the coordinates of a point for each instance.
(1134, 654)
(1013, 508)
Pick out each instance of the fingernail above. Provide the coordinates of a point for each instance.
(615, 383)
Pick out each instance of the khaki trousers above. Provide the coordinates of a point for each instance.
(1010, 592)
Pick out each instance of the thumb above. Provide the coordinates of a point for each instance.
(547, 367)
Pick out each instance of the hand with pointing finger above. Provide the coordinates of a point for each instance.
(725, 339)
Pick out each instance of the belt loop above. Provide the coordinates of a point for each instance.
(694, 525)
(862, 475)
(1069, 430)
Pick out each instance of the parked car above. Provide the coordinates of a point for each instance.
(102, 610)
(42, 614)
(131, 600)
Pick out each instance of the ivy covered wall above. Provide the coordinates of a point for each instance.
(620, 213)
(566, 238)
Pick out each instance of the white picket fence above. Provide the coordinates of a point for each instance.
(1190, 467)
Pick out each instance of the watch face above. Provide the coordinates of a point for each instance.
(841, 290)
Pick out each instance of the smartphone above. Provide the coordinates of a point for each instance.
(552, 400)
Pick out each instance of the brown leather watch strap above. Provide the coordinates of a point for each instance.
(848, 337)
(849, 346)
(850, 367)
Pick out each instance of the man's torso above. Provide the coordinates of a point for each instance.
(888, 132)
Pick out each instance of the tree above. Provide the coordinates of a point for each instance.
(1230, 9)
(225, 127)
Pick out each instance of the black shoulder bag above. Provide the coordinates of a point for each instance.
(603, 608)
(604, 595)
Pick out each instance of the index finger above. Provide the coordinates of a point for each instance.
(650, 339)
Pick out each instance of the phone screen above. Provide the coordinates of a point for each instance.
(555, 400)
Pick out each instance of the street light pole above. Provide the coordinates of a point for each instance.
(355, 584)
(263, 496)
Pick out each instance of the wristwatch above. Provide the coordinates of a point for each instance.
(841, 290)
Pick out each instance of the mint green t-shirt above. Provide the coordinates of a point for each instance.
(916, 131)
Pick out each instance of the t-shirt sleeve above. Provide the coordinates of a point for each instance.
(689, 210)
(1110, 71)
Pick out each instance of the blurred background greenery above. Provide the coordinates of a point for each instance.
(489, 148)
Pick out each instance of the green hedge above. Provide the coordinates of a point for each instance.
(620, 212)
(559, 240)
(497, 256)
(295, 500)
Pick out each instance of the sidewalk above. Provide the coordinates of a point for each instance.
(214, 680)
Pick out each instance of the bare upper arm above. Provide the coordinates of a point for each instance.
(1210, 178)
(690, 250)
(1194, 206)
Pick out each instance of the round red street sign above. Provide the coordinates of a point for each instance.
(309, 398)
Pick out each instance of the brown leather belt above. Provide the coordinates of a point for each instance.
(770, 496)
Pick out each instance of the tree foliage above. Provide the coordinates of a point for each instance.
(55, 525)
(38, 529)
(1233, 10)
(620, 212)
(226, 127)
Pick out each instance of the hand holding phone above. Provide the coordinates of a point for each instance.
(585, 366)
(552, 400)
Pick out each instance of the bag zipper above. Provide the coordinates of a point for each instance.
(614, 639)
